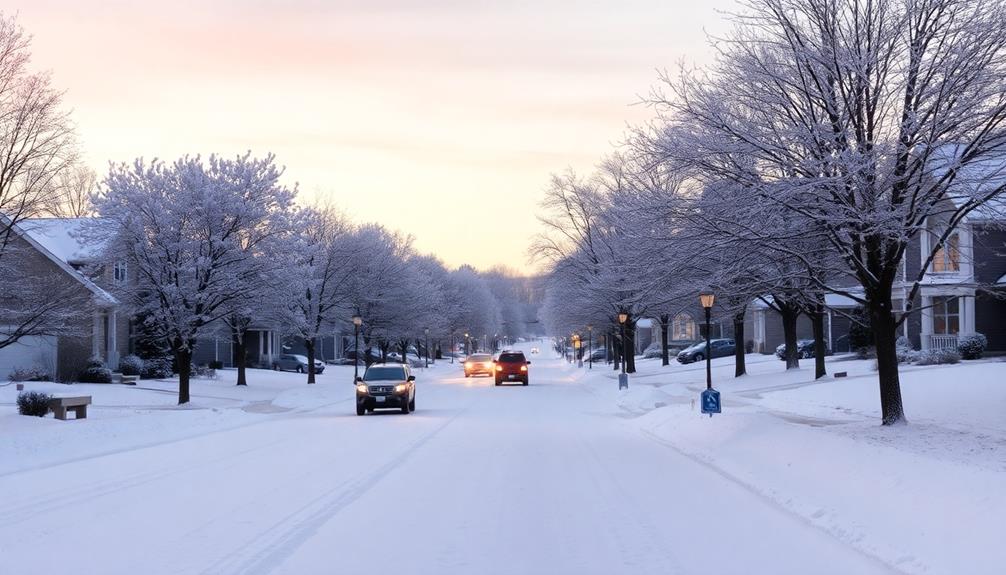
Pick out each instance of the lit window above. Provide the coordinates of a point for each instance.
(683, 327)
(946, 315)
(119, 272)
(948, 256)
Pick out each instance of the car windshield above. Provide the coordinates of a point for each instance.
(299, 358)
(512, 357)
(480, 357)
(384, 373)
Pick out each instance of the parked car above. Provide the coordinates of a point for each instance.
(534, 351)
(597, 355)
(479, 363)
(386, 386)
(512, 366)
(804, 349)
(371, 356)
(295, 362)
(697, 352)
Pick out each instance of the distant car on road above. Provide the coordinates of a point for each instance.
(534, 351)
(697, 352)
(479, 363)
(386, 386)
(512, 366)
(295, 362)
(804, 349)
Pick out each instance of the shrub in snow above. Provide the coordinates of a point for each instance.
(860, 333)
(937, 357)
(906, 354)
(216, 365)
(972, 346)
(202, 372)
(131, 365)
(95, 372)
(156, 368)
(29, 374)
(33, 403)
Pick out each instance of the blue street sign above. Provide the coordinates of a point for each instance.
(711, 402)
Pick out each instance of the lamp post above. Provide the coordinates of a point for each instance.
(357, 322)
(707, 299)
(578, 349)
(590, 347)
(452, 346)
(426, 331)
(466, 344)
(623, 378)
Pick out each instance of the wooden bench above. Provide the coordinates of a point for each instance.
(59, 406)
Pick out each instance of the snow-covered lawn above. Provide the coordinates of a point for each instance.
(568, 475)
(926, 497)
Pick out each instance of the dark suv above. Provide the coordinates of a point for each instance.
(511, 366)
(386, 385)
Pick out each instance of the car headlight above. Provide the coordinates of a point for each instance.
(361, 388)
(523, 368)
(499, 368)
(400, 388)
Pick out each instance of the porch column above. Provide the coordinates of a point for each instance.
(113, 340)
(96, 334)
(927, 322)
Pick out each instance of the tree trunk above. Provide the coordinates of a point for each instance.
(309, 344)
(885, 336)
(817, 321)
(789, 317)
(384, 351)
(665, 354)
(183, 357)
(740, 368)
(616, 352)
(240, 356)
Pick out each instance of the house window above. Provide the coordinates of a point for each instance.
(946, 315)
(683, 327)
(948, 256)
(119, 272)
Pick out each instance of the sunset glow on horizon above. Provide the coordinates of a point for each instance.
(442, 119)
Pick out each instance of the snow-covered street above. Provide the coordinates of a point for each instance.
(556, 477)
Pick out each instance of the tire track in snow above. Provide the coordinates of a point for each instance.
(278, 541)
(769, 501)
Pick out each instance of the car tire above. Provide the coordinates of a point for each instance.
(467, 374)
(405, 408)
(359, 409)
(524, 382)
(412, 404)
(498, 382)
(300, 369)
(275, 367)
(698, 357)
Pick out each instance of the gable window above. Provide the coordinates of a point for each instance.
(119, 272)
(948, 256)
(683, 327)
(946, 315)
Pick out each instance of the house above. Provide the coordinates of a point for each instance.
(86, 319)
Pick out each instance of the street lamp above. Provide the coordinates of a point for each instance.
(623, 378)
(452, 346)
(466, 344)
(357, 322)
(708, 299)
(590, 347)
(427, 332)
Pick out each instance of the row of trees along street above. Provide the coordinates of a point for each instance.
(215, 244)
(824, 140)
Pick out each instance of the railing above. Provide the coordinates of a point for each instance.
(943, 341)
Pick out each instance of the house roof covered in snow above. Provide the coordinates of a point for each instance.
(72, 240)
(1002, 281)
(977, 179)
(63, 242)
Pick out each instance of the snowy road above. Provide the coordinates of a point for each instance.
(549, 478)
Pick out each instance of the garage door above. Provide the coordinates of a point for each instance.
(29, 352)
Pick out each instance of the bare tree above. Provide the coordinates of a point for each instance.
(36, 135)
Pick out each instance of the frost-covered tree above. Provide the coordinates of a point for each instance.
(189, 230)
(866, 118)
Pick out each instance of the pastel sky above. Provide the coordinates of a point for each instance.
(441, 118)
